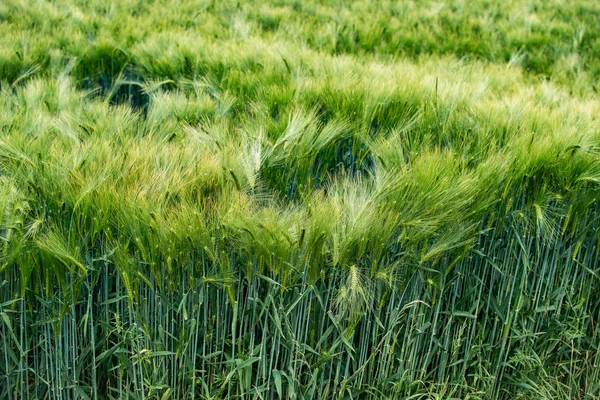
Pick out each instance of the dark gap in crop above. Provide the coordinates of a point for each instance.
(124, 89)
(131, 92)
(351, 157)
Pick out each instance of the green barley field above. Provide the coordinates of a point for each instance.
(299, 199)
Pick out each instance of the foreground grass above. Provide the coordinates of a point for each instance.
(213, 200)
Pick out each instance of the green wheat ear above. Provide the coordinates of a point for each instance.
(353, 298)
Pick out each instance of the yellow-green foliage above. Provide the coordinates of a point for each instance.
(299, 199)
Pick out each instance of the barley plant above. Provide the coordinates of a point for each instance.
(299, 199)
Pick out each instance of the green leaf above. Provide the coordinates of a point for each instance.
(277, 379)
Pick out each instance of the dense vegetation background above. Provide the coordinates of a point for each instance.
(299, 199)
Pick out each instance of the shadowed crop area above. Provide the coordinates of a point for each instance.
(299, 199)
